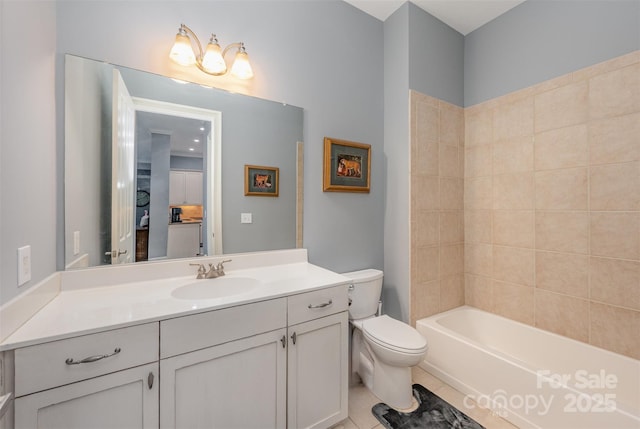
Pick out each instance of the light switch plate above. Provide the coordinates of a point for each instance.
(246, 218)
(24, 265)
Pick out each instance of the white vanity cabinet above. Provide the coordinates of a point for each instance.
(273, 364)
(225, 368)
(318, 364)
(115, 386)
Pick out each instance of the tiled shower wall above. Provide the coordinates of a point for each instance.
(550, 229)
(552, 205)
(437, 234)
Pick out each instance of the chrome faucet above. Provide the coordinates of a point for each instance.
(218, 271)
(212, 273)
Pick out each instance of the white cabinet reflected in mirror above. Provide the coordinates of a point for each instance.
(165, 179)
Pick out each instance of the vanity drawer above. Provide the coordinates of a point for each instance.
(198, 331)
(319, 303)
(44, 366)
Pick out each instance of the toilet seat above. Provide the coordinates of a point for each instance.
(394, 335)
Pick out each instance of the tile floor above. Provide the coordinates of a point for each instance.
(361, 400)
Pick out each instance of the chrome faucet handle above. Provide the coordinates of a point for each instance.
(220, 267)
(201, 271)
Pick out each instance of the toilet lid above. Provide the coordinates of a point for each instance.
(393, 334)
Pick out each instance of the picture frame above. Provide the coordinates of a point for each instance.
(261, 181)
(347, 166)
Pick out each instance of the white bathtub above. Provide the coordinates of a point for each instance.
(531, 377)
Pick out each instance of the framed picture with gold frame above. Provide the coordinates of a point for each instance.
(261, 181)
(347, 166)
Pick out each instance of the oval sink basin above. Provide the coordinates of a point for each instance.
(220, 287)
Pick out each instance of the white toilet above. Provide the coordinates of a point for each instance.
(383, 349)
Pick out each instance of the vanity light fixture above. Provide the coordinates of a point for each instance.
(211, 60)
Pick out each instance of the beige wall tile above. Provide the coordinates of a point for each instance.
(565, 273)
(565, 189)
(562, 107)
(514, 265)
(478, 259)
(425, 192)
(513, 191)
(427, 122)
(451, 227)
(451, 292)
(478, 193)
(615, 139)
(615, 329)
(513, 119)
(514, 301)
(478, 226)
(478, 292)
(426, 227)
(478, 124)
(562, 148)
(451, 125)
(427, 264)
(562, 231)
(449, 163)
(451, 260)
(615, 281)
(564, 315)
(425, 300)
(425, 158)
(615, 186)
(615, 93)
(478, 161)
(451, 193)
(616, 235)
(514, 155)
(513, 228)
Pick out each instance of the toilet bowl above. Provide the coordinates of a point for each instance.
(383, 349)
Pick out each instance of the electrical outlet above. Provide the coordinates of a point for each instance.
(24, 265)
(246, 218)
(76, 242)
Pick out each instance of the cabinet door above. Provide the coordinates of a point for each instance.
(240, 384)
(126, 399)
(177, 186)
(318, 372)
(193, 187)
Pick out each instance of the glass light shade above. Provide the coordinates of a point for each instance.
(182, 52)
(212, 61)
(241, 67)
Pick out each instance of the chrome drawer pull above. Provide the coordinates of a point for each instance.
(324, 304)
(90, 359)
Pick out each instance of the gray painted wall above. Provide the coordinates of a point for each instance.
(396, 289)
(28, 180)
(159, 205)
(436, 60)
(542, 39)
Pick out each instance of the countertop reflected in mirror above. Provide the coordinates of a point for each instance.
(243, 130)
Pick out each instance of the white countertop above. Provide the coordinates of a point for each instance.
(80, 311)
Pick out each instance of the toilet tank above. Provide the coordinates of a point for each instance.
(365, 293)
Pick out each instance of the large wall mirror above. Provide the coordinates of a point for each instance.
(155, 168)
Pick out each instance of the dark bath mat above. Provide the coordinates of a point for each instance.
(432, 413)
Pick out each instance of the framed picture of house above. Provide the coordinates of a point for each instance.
(347, 166)
(261, 181)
